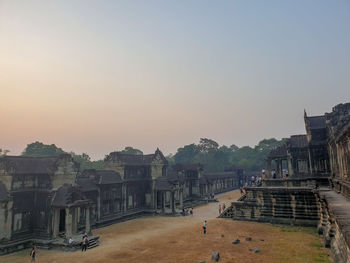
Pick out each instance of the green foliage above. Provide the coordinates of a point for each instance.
(215, 158)
(170, 158)
(207, 145)
(38, 149)
(85, 162)
(3, 152)
(187, 154)
(131, 150)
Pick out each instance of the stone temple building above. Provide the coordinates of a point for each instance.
(47, 200)
(39, 199)
(316, 190)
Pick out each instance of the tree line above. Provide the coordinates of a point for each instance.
(207, 152)
(215, 157)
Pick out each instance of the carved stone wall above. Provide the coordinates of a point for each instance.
(276, 205)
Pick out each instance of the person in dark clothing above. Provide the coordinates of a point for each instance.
(84, 243)
(205, 227)
(32, 254)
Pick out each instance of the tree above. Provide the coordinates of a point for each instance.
(85, 162)
(131, 150)
(3, 152)
(186, 154)
(234, 147)
(171, 159)
(215, 158)
(206, 145)
(38, 149)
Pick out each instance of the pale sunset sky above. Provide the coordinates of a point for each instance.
(96, 76)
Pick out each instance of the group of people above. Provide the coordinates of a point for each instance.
(254, 181)
(84, 245)
(221, 208)
(285, 173)
(186, 211)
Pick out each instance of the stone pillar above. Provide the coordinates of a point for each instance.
(69, 222)
(155, 200)
(124, 197)
(268, 168)
(181, 196)
(99, 204)
(74, 220)
(172, 202)
(154, 196)
(87, 221)
(163, 201)
(55, 222)
(290, 167)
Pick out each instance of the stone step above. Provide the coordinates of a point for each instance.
(92, 246)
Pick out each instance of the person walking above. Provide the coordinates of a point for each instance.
(32, 254)
(191, 211)
(205, 227)
(84, 243)
(223, 207)
(219, 208)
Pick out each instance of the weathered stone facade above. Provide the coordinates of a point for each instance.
(293, 157)
(321, 158)
(37, 199)
(338, 127)
(47, 200)
(292, 205)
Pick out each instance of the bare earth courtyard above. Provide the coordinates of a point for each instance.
(180, 239)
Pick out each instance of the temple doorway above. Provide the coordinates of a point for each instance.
(62, 226)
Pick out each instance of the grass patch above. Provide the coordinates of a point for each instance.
(321, 258)
(308, 230)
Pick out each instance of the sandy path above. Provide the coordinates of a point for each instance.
(180, 239)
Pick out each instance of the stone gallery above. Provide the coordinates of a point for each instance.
(48, 200)
(307, 182)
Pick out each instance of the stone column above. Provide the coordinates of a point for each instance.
(68, 223)
(163, 201)
(172, 202)
(181, 199)
(155, 200)
(55, 222)
(87, 221)
(290, 167)
(124, 197)
(74, 220)
(154, 196)
(99, 204)
(268, 169)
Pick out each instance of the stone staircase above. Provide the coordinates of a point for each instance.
(276, 205)
(93, 242)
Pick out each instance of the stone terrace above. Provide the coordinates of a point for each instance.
(335, 224)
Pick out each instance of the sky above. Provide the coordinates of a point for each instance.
(96, 76)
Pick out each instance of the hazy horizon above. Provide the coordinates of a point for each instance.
(95, 77)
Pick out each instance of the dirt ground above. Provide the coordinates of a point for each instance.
(181, 239)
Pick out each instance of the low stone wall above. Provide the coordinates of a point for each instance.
(334, 224)
(341, 186)
(297, 182)
(327, 209)
(295, 206)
